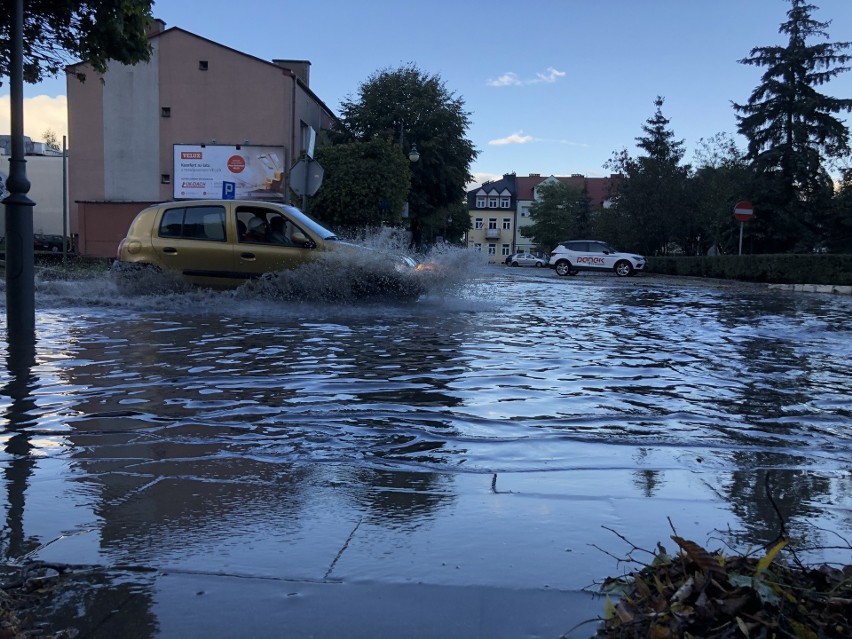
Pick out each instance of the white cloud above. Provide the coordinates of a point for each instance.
(582, 145)
(40, 113)
(481, 178)
(510, 78)
(505, 80)
(515, 138)
(550, 76)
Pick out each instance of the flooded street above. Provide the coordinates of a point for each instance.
(225, 464)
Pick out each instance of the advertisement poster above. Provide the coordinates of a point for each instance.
(243, 172)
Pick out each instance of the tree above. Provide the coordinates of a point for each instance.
(840, 226)
(559, 213)
(96, 31)
(722, 177)
(652, 197)
(50, 139)
(410, 106)
(790, 127)
(365, 184)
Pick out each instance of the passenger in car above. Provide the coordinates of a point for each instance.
(241, 230)
(278, 232)
(257, 228)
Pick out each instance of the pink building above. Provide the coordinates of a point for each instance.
(123, 130)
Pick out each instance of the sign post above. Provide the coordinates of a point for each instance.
(743, 211)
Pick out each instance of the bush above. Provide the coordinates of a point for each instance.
(770, 269)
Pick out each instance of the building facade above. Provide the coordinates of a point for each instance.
(500, 210)
(124, 127)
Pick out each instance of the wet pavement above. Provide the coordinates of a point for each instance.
(226, 464)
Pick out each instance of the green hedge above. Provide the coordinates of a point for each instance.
(771, 269)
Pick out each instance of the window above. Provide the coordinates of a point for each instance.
(492, 202)
(202, 65)
(477, 247)
(505, 249)
(504, 202)
(165, 178)
(507, 223)
(166, 112)
(480, 201)
(194, 222)
(492, 223)
(305, 138)
(477, 224)
(492, 249)
(525, 211)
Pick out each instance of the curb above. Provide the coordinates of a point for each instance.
(814, 288)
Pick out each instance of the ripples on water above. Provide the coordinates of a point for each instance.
(509, 372)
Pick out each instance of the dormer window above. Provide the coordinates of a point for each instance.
(504, 202)
(480, 202)
(492, 202)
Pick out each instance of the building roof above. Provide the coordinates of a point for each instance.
(599, 189)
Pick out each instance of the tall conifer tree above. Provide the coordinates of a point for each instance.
(792, 130)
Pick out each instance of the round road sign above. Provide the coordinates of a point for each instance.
(743, 211)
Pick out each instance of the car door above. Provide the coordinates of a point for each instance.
(254, 257)
(190, 239)
(596, 256)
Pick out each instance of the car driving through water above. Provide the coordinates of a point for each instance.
(222, 244)
(569, 258)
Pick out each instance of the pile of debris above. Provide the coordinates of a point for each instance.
(699, 594)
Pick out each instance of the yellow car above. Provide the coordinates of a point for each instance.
(222, 244)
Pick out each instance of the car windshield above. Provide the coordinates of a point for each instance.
(309, 222)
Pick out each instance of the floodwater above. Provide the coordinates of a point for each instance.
(472, 464)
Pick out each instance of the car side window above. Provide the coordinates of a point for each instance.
(194, 222)
(596, 247)
(580, 247)
(172, 223)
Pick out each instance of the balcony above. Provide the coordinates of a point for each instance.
(492, 234)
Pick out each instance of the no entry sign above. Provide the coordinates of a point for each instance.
(743, 211)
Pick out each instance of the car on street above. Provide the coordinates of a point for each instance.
(573, 256)
(51, 243)
(222, 244)
(526, 259)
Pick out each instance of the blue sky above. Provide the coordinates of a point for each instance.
(552, 86)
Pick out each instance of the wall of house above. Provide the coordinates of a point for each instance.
(45, 176)
(238, 99)
(85, 139)
(103, 225)
(131, 131)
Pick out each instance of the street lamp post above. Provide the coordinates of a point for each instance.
(20, 272)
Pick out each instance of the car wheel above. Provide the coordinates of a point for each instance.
(539, 264)
(515, 264)
(563, 267)
(623, 268)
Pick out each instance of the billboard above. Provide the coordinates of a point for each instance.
(241, 171)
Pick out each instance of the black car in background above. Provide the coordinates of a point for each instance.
(49, 243)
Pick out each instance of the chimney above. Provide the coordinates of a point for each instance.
(155, 26)
(302, 69)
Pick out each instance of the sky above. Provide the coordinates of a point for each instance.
(554, 87)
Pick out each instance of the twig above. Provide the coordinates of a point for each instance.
(627, 541)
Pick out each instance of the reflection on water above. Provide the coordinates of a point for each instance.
(203, 431)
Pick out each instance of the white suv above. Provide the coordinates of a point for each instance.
(569, 258)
